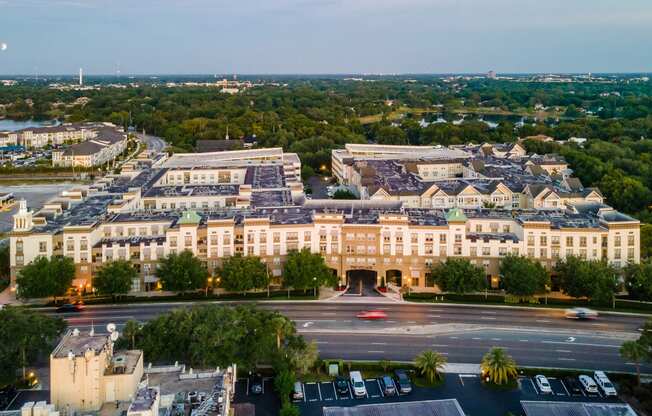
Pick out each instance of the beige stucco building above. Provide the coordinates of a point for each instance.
(86, 372)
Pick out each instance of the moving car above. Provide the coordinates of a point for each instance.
(256, 384)
(581, 313)
(588, 384)
(342, 385)
(387, 385)
(71, 307)
(403, 382)
(604, 383)
(359, 389)
(543, 384)
(297, 392)
(372, 315)
(573, 386)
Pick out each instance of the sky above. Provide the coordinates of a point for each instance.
(324, 36)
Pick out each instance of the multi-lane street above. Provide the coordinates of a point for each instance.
(534, 337)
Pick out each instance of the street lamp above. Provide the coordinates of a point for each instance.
(314, 281)
(409, 286)
(208, 283)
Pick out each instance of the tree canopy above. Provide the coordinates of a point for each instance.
(638, 280)
(522, 276)
(25, 335)
(216, 335)
(241, 273)
(182, 272)
(45, 277)
(593, 279)
(115, 278)
(458, 275)
(305, 270)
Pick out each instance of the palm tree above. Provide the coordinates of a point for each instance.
(430, 364)
(498, 366)
(131, 330)
(635, 352)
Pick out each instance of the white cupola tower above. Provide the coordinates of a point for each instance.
(23, 218)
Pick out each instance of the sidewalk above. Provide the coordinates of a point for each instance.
(7, 297)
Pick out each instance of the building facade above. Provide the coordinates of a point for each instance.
(252, 203)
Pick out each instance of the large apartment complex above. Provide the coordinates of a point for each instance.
(252, 202)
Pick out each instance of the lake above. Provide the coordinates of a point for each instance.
(13, 125)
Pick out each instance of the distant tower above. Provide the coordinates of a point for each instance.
(491, 74)
(23, 218)
(81, 77)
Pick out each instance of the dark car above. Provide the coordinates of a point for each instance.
(256, 384)
(387, 385)
(70, 307)
(574, 387)
(342, 385)
(7, 394)
(403, 382)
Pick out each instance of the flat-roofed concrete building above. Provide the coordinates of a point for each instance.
(86, 372)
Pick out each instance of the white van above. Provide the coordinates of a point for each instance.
(605, 384)
(359, 389)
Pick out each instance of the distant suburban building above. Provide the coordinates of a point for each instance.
(105, 145)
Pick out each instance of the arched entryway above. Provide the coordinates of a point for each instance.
(394, 276)
(362, 282)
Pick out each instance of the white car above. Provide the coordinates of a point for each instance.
(543, 384)
(581, 313)
(359, 389)
(588, 384)
(605, 384)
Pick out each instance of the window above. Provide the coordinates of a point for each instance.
(582, 241)
(617, 241)
(458, 238)
(630, 240)
(83, 244)
(569, 241)
(42, 247)
(555, 240)
(617, 254)
(442, 238)
(543, 240)
(478, 228)
(173, 241)
(530, 240)
(486, 251)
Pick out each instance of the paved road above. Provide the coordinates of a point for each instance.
(534, 337)
(153, 143)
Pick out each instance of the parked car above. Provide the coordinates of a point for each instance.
(375, 314)
(256, 384)
(403, 382)
(581, 313)
(387, 385)
(543, 384)
(573, 386)
(605, 384)
(71, 307)
(297, 392)
(342, 385)
(359, 389)
(588, 384)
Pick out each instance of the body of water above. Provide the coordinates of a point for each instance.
(13, 125)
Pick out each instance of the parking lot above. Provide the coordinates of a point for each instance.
(529, 389)
(474, 398)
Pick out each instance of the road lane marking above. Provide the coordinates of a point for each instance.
(454, 337)
(411, 322)
(321, 342)
(544, 321)
(565, 359)
(476, 338)
(439, 345)
(376, 352)
(581, 343)
(523, 340)
(319, 389)
(329, 313)
(488, 318)
(378, 343)
(434, 316)
(564, 351)
(496, 339)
